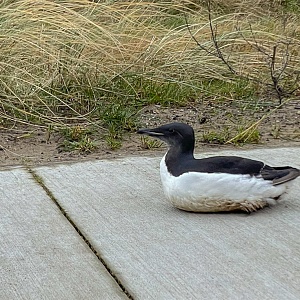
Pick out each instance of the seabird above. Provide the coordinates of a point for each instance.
(214, 184)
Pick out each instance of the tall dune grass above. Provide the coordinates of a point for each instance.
(69, 62)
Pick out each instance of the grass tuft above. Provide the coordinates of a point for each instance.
(150, 143)
(77, 138)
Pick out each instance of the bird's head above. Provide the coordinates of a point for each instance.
(175, 135)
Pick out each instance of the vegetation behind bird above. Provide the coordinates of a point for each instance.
(82, 63)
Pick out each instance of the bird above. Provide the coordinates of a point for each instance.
(217, 183)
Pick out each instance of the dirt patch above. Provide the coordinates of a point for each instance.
(281, 128)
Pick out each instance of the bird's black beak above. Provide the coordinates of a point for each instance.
(151, 132)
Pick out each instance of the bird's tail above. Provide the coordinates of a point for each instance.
(285, 174)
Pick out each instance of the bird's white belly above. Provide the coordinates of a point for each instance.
(209, 192)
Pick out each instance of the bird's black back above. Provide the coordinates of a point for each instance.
(217, 164)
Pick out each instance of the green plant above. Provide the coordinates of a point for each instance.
(246, 135)
(77, 138)
(84, 145)
(238, 89)
(75, 133)
(118, 117)
(291, 6)
(150, 143)
(112, 142)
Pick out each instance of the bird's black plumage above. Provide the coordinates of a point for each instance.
(180, 158)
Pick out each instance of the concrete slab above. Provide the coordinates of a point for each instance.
(159, 252)
(41, 255)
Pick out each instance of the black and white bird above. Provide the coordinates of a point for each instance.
(214, 184)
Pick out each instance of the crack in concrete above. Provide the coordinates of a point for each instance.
(41, 183)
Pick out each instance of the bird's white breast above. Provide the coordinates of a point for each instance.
(197, 191)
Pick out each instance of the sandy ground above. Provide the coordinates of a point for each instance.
(22, 145)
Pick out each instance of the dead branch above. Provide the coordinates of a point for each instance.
(215, 40)
(213, 31)
(276, 78)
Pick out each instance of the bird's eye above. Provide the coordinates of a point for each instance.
(171, 130)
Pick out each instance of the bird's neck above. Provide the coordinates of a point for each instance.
(176, 153)
(176, 160)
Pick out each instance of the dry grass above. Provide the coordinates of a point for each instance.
(69, 62)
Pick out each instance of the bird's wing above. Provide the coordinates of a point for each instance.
(243, 166)
(229, 164)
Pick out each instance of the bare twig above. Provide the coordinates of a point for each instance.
(275, 78)
(195, 40)
(276, 74)
(215, 41)
(213, 31)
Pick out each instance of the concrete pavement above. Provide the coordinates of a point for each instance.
(103, 230)
(41, 254)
